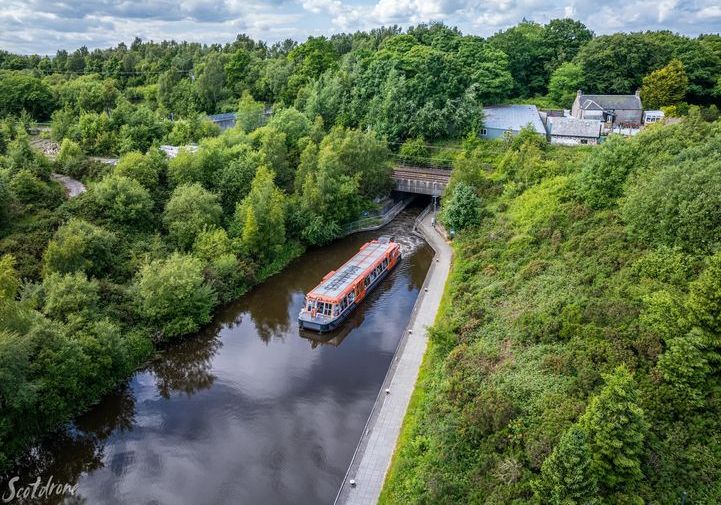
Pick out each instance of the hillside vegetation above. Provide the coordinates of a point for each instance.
(577, 357)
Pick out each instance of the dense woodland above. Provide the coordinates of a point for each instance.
(586, 280)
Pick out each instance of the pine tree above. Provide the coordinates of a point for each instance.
(616, 430)
(567, 476)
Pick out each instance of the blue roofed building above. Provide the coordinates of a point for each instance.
(499, 119)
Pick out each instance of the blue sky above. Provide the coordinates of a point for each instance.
(42, 26)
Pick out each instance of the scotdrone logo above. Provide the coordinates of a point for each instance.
(16, 491)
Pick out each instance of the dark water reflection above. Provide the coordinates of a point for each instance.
(251, 410)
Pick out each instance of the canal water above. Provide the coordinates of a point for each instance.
(251, 410)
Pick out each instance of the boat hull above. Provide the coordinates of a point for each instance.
(323, 326)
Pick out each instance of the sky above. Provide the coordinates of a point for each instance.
(43, 26)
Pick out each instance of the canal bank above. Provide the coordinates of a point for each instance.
(251, 409)
(366, 473)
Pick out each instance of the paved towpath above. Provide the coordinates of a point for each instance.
(375, 449)
(72, 187)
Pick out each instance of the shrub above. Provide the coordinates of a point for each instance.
(677, 205)
(190, 210)
(463, 209)
(604, 172)
(173, 295)
(81, 246)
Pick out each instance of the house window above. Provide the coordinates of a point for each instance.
(484, 132)
(584, 141)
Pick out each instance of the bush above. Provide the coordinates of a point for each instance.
(120, 201)
(144, 168)
(81, 246)
(71, 159)
(70, 295)
(190, 210)
(677, 205)
(463, 209)
(173, 295)
(604, 172)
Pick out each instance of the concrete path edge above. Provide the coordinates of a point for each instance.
(372, 457)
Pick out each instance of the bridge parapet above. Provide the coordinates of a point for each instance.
(420, 180)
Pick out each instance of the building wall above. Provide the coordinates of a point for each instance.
(576, 108)
(629, 116)
(572, 141)
(590, 114)
(495, 133)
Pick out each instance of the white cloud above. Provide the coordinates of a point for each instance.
(46, 25)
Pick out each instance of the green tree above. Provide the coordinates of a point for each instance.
(684, 367)
(616, 428)
(144, 168)
(563, 39)
(34, 192)
(70, 295)
(9, 282)
(120, 201)
(677, 205)
(172, 294)
(616, 64)
(704, 299)
(21, 91)
(212, 243)
(260, 218)
(665, 86)
(233, 181)
(273, 147)
(5, 197)
(528, 55)
(414, 151)
(191, 208)
(71, 158)
(487, 67)
(604, 172)
(250, 113)
(241, 69)
(210, 85)
(567, 476)
(463, 209)
(293, 123)
(565, 81)
(81, 246)
(185, 168)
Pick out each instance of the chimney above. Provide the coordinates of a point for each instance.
(579, 92)
(638, 92)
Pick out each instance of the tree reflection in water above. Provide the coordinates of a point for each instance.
(77, 448)
(186, 366)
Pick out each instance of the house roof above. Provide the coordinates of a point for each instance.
(512, 117)
(572, 127)
(610, 102)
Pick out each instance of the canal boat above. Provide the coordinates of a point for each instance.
(340, 291)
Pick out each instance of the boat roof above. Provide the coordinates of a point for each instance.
(338, 282)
